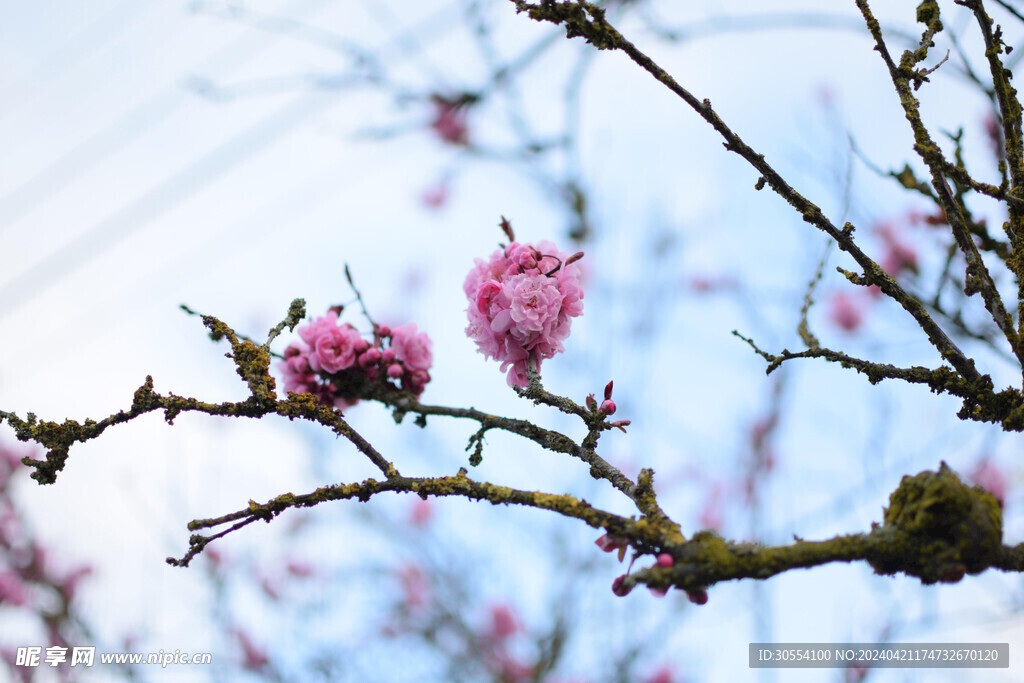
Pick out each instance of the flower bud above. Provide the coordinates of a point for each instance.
(388, 356)
(658, 592)
(620, 588)
(608, 391)
(525, 260)
(610, 542)
(383, 331)
(665, 560)
(697, 596)
(591, 403)
(361, 345)
(621, 424)
(394, 371)
(608, 407)
(574, 258)
(506, 227)
(371, 357)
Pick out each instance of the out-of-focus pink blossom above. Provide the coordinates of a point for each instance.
(435, 196)
(270, 588)
(415, 589)
(504, 623)
(70, 583)
(254, 657)
(12, 589)
(994, 133)
(990, 477)
(897, 257)
(521, 302)
(662, 675)
(711, 513)
(509, 670)
(705, 284)
(844, 312)
(298, 569)
(214, 557)
(450, 122)
(422, 511)
(855, 674)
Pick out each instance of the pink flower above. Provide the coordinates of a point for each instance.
(411, 347)
(521, 302)
(334, 362)
(535, 302)
(335, 349)
(312, 330)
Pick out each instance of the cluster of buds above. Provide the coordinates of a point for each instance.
(622, 587)
(607, 407)
(334, 363)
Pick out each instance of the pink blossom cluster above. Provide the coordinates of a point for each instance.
(334, 363)
(521, 304)
(33, 584)
(898, 258)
